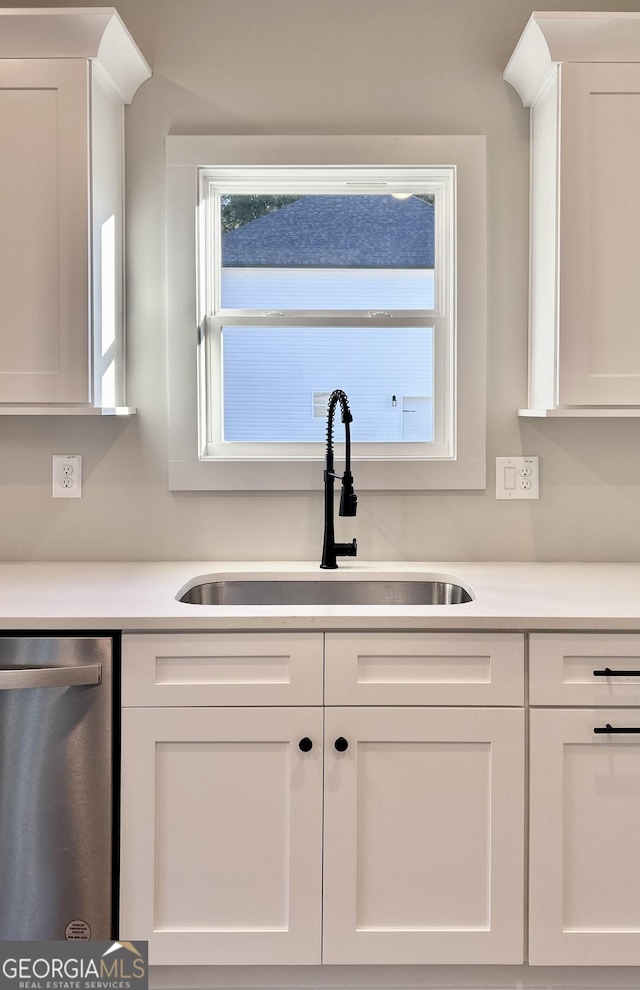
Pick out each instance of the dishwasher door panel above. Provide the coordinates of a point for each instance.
(56, 784)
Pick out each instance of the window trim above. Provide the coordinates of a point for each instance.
(185, 155)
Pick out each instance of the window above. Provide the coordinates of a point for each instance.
(315, 279)
(320, 274)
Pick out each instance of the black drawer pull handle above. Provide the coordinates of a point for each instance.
(305, 744)
(341, 744)
(608, 672)
(609, 728)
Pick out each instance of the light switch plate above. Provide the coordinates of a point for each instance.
(517, 477)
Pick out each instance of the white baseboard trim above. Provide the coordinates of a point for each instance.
(393, 978)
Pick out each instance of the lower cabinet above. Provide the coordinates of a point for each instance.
(423, 835)
(585, 838)
(301, 834)
(584, 876)
(354, 798)
(222, 834)
(222, 845)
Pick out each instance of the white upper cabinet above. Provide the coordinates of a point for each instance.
(580, 74)
(65, 75)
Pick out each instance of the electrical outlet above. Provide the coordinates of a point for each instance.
(67, 476)
(517, 477)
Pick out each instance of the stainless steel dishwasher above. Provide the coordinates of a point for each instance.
(56, 787)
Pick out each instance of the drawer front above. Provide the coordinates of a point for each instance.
(584, 669)
(206, 669)
(424, 669)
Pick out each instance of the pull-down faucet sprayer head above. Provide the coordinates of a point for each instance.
(348, 498)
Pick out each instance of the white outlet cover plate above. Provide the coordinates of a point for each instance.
(517, 477)
(67, 476)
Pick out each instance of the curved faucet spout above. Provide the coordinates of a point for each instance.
(348, 498)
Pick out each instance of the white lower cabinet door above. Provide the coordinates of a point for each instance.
(221, 834)
(424, 835)
(585, 837)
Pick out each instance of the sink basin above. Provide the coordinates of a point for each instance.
(349, 592)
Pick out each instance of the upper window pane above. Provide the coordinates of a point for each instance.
(327, 252)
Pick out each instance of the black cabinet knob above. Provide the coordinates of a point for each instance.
(305, 744)
(341, 744)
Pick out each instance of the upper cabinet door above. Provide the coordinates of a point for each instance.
(580, 74)
(599, 289)
(44, 202)
(65, 76)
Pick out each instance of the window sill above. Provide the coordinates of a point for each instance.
(71, 410)
(287, 476)
(581, 412)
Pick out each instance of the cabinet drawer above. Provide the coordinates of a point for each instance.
(424, 669)
(205, 669)
(585, 669)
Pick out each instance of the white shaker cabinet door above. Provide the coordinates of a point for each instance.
(585, 838)
(598, 286)
(221, 834)
(424, 835)
(44, 248)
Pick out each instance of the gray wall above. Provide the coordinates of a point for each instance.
(325, 67)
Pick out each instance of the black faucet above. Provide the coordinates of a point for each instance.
(348, 498)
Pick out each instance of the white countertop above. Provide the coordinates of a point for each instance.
(142, 596)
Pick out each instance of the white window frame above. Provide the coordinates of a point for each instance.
(439, 182)
(464, 465)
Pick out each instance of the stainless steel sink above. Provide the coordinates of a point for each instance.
(350, 592)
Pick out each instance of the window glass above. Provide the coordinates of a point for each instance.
(323, 251)
(275, 378)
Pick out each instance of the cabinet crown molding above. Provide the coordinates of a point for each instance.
(95, 33)
(553, 37)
